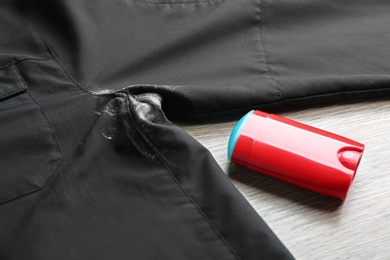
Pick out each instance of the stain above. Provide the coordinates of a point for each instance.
(110, 118)
(130, 119)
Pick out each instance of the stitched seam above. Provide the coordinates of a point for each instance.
(43, 112)
(40, 185)
(16, 91)
(25, 193)
(51, 51)
(55, 57)
(181, 187)
(54, 135)
(70, 77)
(266, 57)
(283, 101)
(12, 93)
(24, 59)
(18, 195)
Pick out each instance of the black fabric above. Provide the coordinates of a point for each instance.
(90, 166)
(258, 53)
(116, 181)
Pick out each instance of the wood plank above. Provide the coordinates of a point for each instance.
(313, 226)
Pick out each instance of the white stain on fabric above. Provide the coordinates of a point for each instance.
(110, 119)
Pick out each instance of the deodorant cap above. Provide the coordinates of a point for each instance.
(302, 155)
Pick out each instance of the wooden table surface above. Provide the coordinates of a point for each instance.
(314, 226)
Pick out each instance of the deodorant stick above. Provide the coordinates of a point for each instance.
(302, 155)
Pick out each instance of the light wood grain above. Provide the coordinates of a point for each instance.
(313, 226)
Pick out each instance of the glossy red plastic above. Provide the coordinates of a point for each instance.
(305, 156)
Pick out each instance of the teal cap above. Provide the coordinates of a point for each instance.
(236, 133)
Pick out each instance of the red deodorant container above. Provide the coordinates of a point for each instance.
(302, 155)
